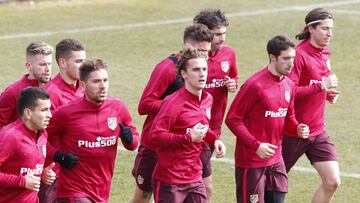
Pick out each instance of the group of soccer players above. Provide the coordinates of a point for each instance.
(59, 136)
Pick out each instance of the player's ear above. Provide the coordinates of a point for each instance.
(27, 114)
(183, 74)
(272, 58)
(82, 84)
(62, 63)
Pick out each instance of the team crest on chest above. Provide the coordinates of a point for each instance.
(287, 95)
(208, 113)
(44, 150)
(254, 198)
(328, 64)
(112, 123)
(225, 66)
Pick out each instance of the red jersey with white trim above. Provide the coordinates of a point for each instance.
(91, 132)
(222, 64)
(22, 151)
(8, 99)
(161, 78)
(62, 93)
(310, 65)
(178, 157)
(259, 113)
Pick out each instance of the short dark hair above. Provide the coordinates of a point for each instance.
(66, 46)
(212, 18)
(197, 33)
(279, 43)
(188, 53)
(313, 19)
(89, 66)
(28, 98)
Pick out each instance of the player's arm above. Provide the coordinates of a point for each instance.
(7, 108)
(295, 75)
(8, 146)
(231, 81)
(162, 76)
(161, 134)
(128, 134)
(243, 102)
(55, 130)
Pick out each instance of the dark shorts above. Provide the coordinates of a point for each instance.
(317, 149)
(145, 162)
(206, 160)
(179, 193)
(252, 183)
(74, 200)
(47, 193)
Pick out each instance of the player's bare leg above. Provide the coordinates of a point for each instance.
(329, 173)
(140, 196)
(209, 187)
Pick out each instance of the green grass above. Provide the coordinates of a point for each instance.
(133, 52)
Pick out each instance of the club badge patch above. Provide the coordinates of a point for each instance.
(208, 113)
(328, 64)
(225, 66)
(254, 198)
(287, 95)
(44, 150)
(112, 123)
(140, 180)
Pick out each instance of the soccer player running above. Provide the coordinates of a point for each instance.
(312, 75)
(89, 128)
(179, 131)
(260, 112)
(63, 89)
(163, 82)
(38, 62)
(23, 149)
(222, 78)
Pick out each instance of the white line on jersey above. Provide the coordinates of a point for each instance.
(179, 21)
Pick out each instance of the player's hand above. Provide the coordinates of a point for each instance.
(48, 176)
(198, 132)
(66, 159)
(332, 95)
(329, 82)
(266, 150)
(220, 149)
(32, 182)
(230, 84)
(303, 131)
(126, 134)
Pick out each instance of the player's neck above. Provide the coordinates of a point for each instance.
(67, 79)
(273, 71)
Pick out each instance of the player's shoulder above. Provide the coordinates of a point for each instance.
(12, 130)
(258, 77)
(166, 63)
(52, 84)
(14, 88)
(115, 102)
(69, 108)
(227, 48)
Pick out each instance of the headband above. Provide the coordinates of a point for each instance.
(313, 22)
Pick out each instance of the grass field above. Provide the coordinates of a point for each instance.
(134, 35)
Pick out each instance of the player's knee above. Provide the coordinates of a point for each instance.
(332, 184)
